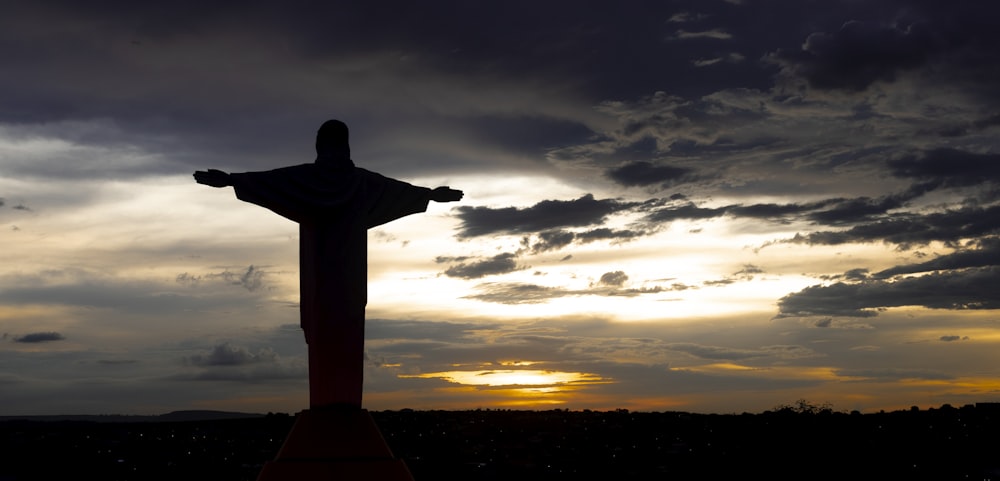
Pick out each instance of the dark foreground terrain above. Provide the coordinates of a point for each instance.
(939, 444)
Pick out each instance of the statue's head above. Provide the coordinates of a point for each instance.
(331, 140)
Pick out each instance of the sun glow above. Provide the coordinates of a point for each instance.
(511, 377)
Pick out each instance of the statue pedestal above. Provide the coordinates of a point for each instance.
(336, 444)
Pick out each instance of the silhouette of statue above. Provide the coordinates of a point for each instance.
(334, 203)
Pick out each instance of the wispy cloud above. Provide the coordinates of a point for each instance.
(226, 354)
(715, 34)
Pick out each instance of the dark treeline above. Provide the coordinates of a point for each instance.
(791, 442)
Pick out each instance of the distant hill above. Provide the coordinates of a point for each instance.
(174, 416)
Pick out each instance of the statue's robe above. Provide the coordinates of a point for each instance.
(334, 207)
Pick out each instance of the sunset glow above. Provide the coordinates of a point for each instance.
(512, 378)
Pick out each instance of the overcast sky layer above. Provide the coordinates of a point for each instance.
(708, 206)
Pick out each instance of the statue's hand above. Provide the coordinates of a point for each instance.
(446, 194)
(212, 177)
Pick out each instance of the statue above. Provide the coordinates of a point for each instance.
(334, 203)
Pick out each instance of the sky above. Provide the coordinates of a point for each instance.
(702, 206)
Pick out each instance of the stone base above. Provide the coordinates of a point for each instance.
(336, 444)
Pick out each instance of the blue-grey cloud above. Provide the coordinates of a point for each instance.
(973, 288)
(513, 293)
(986, 252)
(859, 54)
(736, 354)
(498, 264)
(545, 215)
(950, 168)
(226, 354)
(906, 229)
(553, 240)
(641, 173)
(38, 337)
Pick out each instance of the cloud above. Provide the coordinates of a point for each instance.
(550, 240)
(745, 274)
(117, 362)
(892, 374)
(987, 253)
(904, 229)
(545, 215)
(517, 293)
(973, 288)
(732, 57)
(252, 279)
(953, 338)
(684, 211)
(557, 239)
(949, 167)
(38, 337)
(498, 264)
(613, 279)
(524, 293)
(715, 33)
(640, 173)
(91, 289)
(685, 17)
(858, 55)
(226, 354)
(734, 354)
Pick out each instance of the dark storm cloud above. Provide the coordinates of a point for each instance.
(153, 73)
(777, 211)
(855, 210)
(545, 215)
(37, 337)
(859, 54)
(871, 216)
(498, 264)
(774, 212)
(686, 211)
(973, 288)
(986, 253)
(908, 229)
(604, 233)
(641, 173)
(949, 168)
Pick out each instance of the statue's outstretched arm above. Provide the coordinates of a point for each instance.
(212, 177)
(446, 194)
